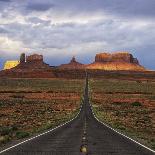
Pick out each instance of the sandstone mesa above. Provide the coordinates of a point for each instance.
(103, 61)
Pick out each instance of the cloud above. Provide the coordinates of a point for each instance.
(82, 28)
(38, 21)
(5, 0)
(3, 30)
(39, 5)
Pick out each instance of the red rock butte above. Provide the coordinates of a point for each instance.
(33, 66)
(116, 61)
(73, 64)
(32, 63)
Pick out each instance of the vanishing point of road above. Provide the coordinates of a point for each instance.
(83, 135)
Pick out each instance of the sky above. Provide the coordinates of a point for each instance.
(60, 29)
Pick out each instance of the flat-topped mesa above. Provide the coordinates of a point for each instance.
(34, 58)
(116, 57)
(116, 61)
(31, 66)
(73, 64)
(32, 62)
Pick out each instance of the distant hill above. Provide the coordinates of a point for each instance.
(73, 64)
(105, 64)
(117, 61)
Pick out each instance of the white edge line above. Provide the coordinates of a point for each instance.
(5, 150)
(121, 133)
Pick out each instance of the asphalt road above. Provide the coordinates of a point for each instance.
(85, 134)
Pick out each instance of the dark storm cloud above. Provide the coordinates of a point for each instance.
(68, 27)
(117, 7)
(3, 31)
(5, 0)
(130, 8)
(123, 8)
(39, 5)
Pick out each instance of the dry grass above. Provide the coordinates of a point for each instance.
(127, 106)
(28, 106)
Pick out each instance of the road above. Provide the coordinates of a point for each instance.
(83, 135)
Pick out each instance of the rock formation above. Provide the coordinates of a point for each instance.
(34, 58)
(73, 64)
(33, 67)
(33, 62)
(11, 64)
(116, 57)
(22, 58)
(116, 61)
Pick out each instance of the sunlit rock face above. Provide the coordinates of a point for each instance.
(11, 64)
(116, 61)
(31, 67)
(34, 58)
(116, 57)
(33, 62)
(73, 64)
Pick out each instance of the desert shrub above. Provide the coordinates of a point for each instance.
(136, 104)
(139, 81)
(119, 126)
(152, 142)
(17, 96)
(152, 97)
(117, 103)
(48, 125)
(5, 130)
(153, 145)
(22, 134)
(117, 113)
(4, 139)
(14, 127)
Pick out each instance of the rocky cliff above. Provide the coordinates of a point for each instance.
(10, 64)
(116, 61)
(33, 66)
(32, 63)
(73, 64)
(116, 57)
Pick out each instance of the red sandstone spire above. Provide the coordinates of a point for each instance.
(73, 59)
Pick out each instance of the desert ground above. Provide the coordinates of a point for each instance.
(128, 106)
(30, 106)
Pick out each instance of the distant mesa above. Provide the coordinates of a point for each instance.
(10, 64)
(34, 66)
(107, 61)
(32, 62)
(116, 61)
(73, 64)
(34, 58)
(31, 66)
(116, 57)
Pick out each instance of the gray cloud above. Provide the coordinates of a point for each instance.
(123, 8)
(5, 0)
(80, 28)
(36, 20)
(39, 5)
(3, 31)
